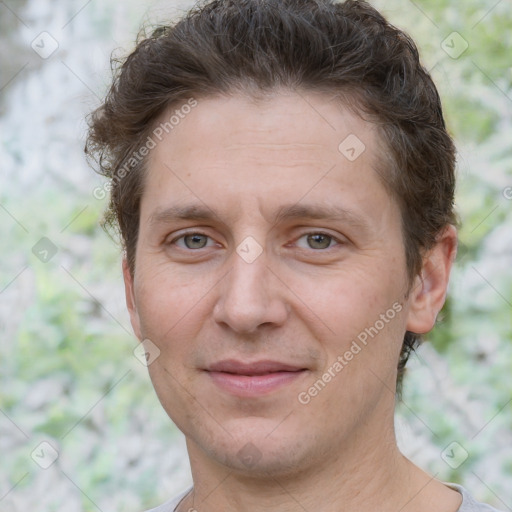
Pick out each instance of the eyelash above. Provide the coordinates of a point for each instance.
(309, 233)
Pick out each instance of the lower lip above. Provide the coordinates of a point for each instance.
(253, 385)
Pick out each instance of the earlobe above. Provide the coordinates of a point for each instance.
(130, 299)
(428, 293)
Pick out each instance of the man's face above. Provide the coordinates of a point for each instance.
(265, 247)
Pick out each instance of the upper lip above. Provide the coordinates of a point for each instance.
(252, 368)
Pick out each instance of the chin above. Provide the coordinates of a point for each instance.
(257, 449)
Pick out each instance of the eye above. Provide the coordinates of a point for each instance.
(317, 241)
(192, 241)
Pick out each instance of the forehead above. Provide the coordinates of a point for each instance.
(275, 150)
(303, 120)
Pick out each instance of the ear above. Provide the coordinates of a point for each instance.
(130, 299)
(428, 292)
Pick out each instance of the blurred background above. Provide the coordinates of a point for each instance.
(80, 426)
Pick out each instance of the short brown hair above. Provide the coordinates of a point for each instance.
(257, 46)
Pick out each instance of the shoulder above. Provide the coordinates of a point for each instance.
(170, 506)
(469, 504)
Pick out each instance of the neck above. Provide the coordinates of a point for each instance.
(366, 474)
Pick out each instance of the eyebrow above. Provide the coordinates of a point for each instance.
(284, 213)
(320, 212)
(187, 212)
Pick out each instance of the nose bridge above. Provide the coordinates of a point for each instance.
(249, 296)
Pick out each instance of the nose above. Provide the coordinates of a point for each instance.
(250, 296)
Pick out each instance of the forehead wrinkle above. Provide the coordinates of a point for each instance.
(275, 145)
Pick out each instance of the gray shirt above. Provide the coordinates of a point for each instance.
(469, 504)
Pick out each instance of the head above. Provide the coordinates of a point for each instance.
(240, 123)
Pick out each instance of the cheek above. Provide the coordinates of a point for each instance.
(169, 305)
(361, 322)
(347, 303)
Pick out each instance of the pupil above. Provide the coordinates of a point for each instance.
(195, 241)
(319, 241)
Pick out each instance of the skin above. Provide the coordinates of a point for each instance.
(244, 160)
